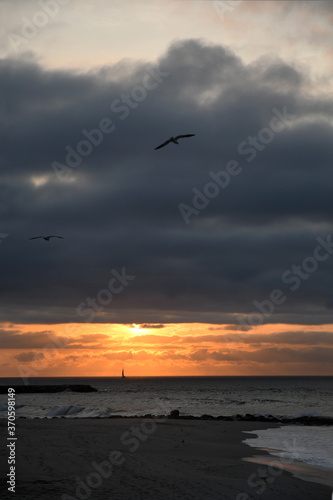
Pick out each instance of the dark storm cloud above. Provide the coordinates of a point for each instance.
(118, 207)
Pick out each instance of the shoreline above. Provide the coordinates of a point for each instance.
(301, 470)
(146, 459)
(175, 415)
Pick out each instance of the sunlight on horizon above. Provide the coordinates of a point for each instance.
(163, 350)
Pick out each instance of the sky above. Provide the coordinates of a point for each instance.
(213, 256)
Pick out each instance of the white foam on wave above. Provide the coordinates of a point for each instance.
(61, 411)
(4, 407)
(77, 412)
(309, 444)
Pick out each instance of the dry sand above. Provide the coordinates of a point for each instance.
(67, 459)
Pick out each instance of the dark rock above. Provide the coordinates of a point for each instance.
(238, 418)
(250, 417)
(270, 418)
(21, 389)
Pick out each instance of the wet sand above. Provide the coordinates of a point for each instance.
(145, 459)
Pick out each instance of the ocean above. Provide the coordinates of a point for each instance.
(277, 396)
(280, 397)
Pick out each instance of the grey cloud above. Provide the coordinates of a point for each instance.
(291, 338)
(47, 339)
(288, 338)
(121, 207)
(267, 355)
(154, 327)
(26, 357)
(13, 340)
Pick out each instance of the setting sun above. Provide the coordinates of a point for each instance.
(166, 248)
(165, 349)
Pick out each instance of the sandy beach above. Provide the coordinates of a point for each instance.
(145, 459)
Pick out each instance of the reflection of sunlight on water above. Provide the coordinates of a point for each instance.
(305, 451)
(301, 470)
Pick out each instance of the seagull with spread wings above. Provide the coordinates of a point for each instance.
(174, 140)
(47, 238)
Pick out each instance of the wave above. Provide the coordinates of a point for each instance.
(296, 443)
(4, 407)
(78, 412)
(86, 412)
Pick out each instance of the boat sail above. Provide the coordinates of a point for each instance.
(122, 373)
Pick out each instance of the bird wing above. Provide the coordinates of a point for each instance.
(36, 237)
(164, 144)
(181, 136)
(54, 236)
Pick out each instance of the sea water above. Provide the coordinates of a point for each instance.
(305, 451)
(310, 444)
(137, 396)
(227, 396)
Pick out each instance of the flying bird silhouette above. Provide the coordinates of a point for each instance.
(174, 140)
(47, 238)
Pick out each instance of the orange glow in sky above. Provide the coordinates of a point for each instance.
(165, 350)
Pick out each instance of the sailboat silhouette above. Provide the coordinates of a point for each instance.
(122, 373)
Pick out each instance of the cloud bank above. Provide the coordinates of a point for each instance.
(116, 200)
